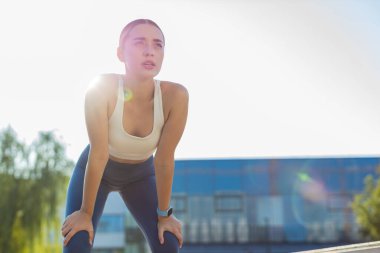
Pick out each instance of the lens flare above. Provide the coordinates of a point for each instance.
(309, 196)
(312, 190)
(304, 177)
(128, 94)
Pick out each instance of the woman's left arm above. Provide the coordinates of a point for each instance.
(164, 157)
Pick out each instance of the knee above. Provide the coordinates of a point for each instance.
(170, 245)
(78, 243)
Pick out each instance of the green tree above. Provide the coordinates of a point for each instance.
(33, 180)
(366, 207)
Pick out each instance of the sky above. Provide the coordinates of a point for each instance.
(274, 78)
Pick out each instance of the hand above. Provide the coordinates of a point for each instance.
(171, 224)
(77, 221)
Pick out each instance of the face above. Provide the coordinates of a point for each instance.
(142, 51)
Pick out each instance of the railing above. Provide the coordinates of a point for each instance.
(369, 247)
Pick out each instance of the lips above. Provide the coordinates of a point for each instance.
(149, 63)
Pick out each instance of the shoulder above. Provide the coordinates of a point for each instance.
(103, 82)
(102, 87)
(174, 92)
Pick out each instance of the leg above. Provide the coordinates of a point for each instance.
(79, 242)
(141, 200)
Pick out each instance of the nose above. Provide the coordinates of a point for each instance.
(148, 50)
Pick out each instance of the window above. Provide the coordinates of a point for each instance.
(339, 202)
(179, 202)
(111, 223)
(228, 201)
(269, 211)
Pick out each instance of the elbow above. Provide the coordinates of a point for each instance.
(164, 164)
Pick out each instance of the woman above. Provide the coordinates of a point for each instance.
(128, 117)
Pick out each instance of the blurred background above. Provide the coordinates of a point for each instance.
(281, 147)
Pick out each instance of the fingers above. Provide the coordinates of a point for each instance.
(72, 232)
(65, 231)
(178, 234)
(70, 227)
(68, 237)
(176, 231)
(65, 228)
(161, 235)
(90, 236)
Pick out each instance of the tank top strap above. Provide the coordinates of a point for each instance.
(158, 103)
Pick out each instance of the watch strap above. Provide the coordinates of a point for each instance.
(165, 213)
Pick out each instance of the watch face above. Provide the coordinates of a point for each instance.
(170, 211)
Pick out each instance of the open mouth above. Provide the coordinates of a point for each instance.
(149, 63)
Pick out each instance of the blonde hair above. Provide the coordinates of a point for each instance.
(124, 33)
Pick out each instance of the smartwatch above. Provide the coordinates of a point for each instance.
(165, 213)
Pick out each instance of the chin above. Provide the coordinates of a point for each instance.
(146, 74)
(143, 73)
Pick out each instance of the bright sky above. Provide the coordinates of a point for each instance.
(266, 78)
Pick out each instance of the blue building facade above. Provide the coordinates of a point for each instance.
(300, 202)
(262, 205)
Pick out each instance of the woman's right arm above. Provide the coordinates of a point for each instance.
(97, 128)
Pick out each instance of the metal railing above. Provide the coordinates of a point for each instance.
(368, 247)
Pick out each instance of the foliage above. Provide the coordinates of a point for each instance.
(33, 183)
(366, 207)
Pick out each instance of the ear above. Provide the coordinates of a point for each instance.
(120, 54)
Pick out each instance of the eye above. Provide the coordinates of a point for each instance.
(159, 45)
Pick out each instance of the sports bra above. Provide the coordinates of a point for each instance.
(126, 146)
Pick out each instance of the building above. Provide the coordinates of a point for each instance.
(253, 205)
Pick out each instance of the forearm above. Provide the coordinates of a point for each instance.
(164, 182)
(94, 172)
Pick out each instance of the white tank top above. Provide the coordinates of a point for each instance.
(125, 146)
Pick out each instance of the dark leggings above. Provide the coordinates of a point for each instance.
(136, 184)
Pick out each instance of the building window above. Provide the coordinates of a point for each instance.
(111, 223)
(269, 211)
(339, 202)
(228, 201)
(179, 202)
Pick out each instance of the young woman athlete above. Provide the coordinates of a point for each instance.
(128, 117)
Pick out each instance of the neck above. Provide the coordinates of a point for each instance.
(142, 89)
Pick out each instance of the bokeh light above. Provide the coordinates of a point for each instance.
(128, 94)
(309, 197)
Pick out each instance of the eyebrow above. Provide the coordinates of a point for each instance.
(143, 38)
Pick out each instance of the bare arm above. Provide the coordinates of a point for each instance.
(97, 129)
(170, 137)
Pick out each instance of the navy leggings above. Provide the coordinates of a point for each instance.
(136, 184)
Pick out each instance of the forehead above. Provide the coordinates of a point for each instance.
(147, 31)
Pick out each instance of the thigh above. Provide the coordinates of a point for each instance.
(79, 242)
(141, 199)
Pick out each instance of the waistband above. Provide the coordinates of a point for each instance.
(116, 164)
(82, 161)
